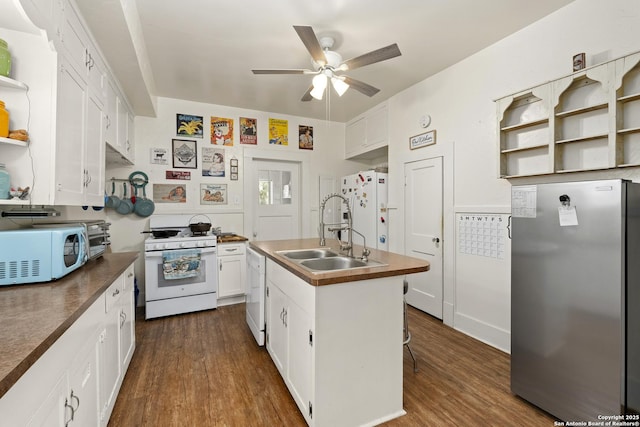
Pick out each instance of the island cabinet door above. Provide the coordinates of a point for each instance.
(300, 357)
(277, 338)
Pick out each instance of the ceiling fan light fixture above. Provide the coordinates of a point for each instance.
(319, 85)
(339, 85)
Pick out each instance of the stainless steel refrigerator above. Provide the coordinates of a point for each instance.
(575, 298)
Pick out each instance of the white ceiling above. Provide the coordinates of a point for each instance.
(204, 50)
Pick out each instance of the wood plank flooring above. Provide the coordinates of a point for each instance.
(205, 369)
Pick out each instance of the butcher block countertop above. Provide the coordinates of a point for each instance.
(231, 239)
(396, 265)
(35, 315)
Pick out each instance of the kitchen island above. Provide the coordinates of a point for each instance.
(336, 336)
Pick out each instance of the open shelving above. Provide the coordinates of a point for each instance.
(586, 121)
(6, 82)
(628, 114)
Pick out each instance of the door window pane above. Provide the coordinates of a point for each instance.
(274, 187)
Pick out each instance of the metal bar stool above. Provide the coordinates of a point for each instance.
(405, 329)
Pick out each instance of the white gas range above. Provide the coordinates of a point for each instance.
(180, 270)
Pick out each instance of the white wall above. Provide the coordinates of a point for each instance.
(460, 102)
(326, 158)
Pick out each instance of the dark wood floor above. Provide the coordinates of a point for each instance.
(205, 369)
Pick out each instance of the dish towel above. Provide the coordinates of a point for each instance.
(181, 264)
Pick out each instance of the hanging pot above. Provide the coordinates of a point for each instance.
(126, 206)
(112, 201)
(144, 207)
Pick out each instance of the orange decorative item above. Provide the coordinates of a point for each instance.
(4, 121)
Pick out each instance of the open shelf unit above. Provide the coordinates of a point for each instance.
(6, 82)
(586, 121)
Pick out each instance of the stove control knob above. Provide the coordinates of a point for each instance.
(182, 245)
(200, 244)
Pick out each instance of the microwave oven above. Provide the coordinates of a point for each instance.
(96, 233)
(40, 255)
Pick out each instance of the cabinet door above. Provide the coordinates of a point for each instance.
(130, 153)
(300, 353)
(127, 320)
(73, 37)
(70, 175)
(231, 275)
(53, 412)
(376, 132)
(94, 153)
(110, 350)
(111, 135)
(356, 134)
(83, 388)
(122, 123)
(276, 327)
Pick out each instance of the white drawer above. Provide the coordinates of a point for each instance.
(225, 249)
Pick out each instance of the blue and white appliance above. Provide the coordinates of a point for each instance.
(40, 255)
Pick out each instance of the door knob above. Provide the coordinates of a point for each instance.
(435, 240)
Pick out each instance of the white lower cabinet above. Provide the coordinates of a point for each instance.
(73, 400)
(289, 332)
(117, 340)
(232, 269)
(110, 351)
(76, 381)
(337, 347)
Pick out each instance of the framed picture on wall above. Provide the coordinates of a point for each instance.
(185, 153)
(213, 194)
(189, 125)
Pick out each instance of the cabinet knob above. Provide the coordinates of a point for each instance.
(436, 240)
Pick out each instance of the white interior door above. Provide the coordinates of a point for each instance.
(423, 232)
(276, 200)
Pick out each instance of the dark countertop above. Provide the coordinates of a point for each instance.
(35, 315)
(397, 264)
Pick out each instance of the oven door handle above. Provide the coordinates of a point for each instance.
(158, 254)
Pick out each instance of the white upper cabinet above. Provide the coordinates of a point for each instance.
(70, 112)
(367, 136)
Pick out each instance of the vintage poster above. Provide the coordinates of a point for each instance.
(159, 156)
(181, 175)
(169, 193)
(305, 137)
(213, 194)
(248, 131)
(221, 131)
(278, 131)
(213, 162)
(185, 153)
(188, 125)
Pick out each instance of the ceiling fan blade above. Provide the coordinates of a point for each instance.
(311, 42)
(362, 87)
(282, 71)
(307, 95)
(374, 56)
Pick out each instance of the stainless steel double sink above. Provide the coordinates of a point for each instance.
(324, 260)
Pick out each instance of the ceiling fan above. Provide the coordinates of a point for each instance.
(328, 65)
